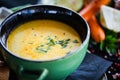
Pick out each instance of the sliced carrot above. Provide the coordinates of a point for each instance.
(97, 33)
(92, 8)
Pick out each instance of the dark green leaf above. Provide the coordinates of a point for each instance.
(109, 44)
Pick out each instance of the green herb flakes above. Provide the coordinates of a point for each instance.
(42, 45)
(63, 43)
(42, 49)
(51, 42)
(45, 47)
(75, 41)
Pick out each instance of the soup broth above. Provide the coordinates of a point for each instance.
(43, 40)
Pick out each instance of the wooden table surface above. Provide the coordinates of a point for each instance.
(4, 73)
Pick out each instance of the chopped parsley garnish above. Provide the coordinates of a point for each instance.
(63, 43)
(42, 45)
(39, 49)
(75, 41)
(42, 49)
(51, 42)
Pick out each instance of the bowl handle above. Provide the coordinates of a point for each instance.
(25, 74)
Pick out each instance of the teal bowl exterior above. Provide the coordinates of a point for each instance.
(57, 69)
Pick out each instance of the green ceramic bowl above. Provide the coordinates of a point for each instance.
(57, 69)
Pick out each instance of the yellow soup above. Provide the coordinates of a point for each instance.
(43, 40)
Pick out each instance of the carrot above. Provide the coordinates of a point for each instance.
(86, 2)
(92, 8)
(97, 33)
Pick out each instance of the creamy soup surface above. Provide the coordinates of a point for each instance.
(43, 40)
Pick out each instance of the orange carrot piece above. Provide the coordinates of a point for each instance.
(92, 8)
(97, 33)
(86, 2)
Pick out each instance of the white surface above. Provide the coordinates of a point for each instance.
(110, 18)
